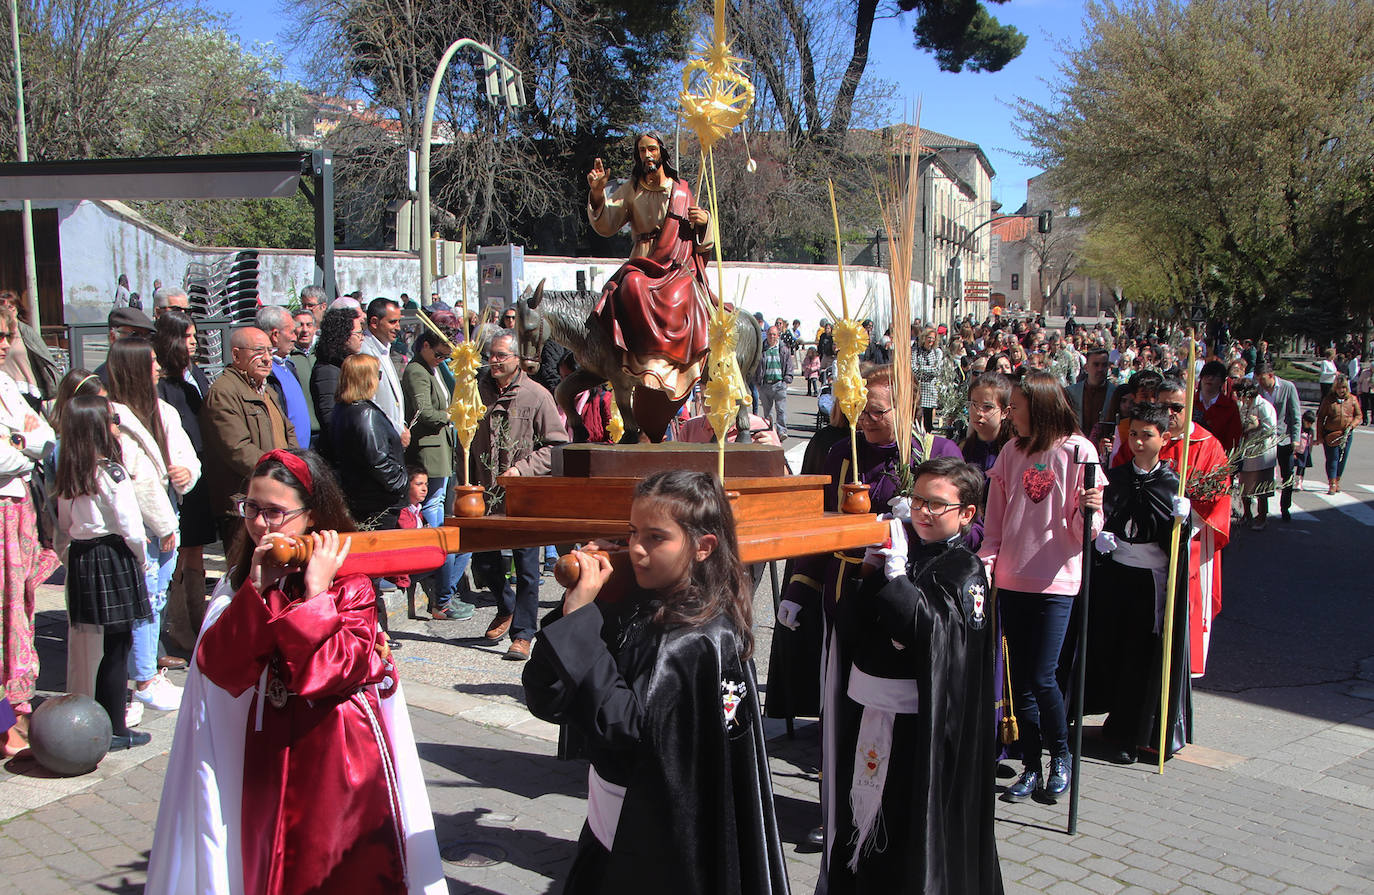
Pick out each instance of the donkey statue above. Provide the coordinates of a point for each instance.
(566, 318)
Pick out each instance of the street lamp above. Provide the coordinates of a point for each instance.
(504, 85)
(26, 213)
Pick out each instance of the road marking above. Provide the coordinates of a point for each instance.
(1351, 506)
(1369, 488)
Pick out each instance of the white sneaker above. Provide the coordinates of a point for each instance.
(160, 694)
(133, 714)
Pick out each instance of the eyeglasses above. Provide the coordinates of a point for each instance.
(875, 415)
(499, 356)
(272, 516)
(986, 407)
(933, 507)
(1173, 408)
(255, 352)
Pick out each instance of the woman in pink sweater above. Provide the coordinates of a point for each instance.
(1033, 546)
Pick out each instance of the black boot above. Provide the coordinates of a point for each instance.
(1060, 773)
(1024, 787)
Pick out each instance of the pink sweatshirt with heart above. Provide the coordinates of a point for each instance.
(1033, 531)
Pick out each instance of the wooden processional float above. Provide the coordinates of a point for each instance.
(588, 496)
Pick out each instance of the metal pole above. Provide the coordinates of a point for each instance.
(26, 210)
(427, 134)
(1081, 675)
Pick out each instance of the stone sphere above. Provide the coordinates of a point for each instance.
(69, 734)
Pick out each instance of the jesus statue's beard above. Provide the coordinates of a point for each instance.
(650, 166)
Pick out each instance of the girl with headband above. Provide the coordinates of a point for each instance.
(292, 712)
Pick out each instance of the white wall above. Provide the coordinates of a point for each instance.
(97, 244)
(101, 240)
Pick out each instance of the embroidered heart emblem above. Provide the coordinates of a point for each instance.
(1037, 481)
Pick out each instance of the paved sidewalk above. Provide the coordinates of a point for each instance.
(1276, 797)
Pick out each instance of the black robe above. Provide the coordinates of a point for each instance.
(646, 707)
(1125, 655)
(794, 659)
(938, 802)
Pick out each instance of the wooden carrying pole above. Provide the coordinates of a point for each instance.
(1171, 585)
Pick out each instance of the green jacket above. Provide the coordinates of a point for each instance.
(304, 364)
(432, 436)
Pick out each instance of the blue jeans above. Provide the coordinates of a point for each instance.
(157, 574)
(1336, 457)
(447, 576)
(522, 599)
(1035, 625)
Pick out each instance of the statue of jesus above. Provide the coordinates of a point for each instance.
(655, 307)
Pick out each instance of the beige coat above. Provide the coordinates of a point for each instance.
(237, 431)
(526, 426)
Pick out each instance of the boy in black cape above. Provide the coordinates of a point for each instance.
(913, 791)
(1131, 560)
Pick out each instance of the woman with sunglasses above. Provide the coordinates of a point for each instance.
(294, 766)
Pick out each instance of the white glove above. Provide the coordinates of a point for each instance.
(892, 555)
(788, 613)
(901, 508)
(1183, 507)
(1105, 542)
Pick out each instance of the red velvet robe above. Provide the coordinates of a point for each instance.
(320, 809)
(650, 307)
(1213, 509)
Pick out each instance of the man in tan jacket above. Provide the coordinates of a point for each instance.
(240, 422)
(515, 438)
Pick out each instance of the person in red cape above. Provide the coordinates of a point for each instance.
(1214, 407)
(1209, 489)
(654, 308)
(294, 768)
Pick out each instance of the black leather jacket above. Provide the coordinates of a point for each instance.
(368, 458)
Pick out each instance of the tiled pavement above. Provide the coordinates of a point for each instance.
(1279, 800)
(507, 814)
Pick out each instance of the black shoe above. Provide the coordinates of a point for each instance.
(1123, 756)
(1286, 516)
(1024, 787)
(550, 565)
(129, 740)
(1060, 772)
(816, 837)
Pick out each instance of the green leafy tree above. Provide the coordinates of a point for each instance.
(1221, 133)
(122, 78)
(285, 223)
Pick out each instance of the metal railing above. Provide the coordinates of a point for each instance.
(89, 344)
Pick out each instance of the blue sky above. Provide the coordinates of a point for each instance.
(973, 106)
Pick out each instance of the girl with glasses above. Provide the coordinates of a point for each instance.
(295, 740)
